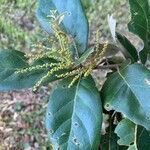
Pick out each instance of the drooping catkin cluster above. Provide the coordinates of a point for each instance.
(60, 51)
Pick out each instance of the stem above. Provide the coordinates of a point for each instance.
(114, 66)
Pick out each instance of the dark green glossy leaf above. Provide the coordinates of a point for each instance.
(10, 61)
(140, 24)
(74, 115)
(130, 49)
(74, 24)
(128, 91)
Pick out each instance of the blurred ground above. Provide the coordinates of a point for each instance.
(22, 112)
(22, 120)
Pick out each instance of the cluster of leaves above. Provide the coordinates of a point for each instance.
(75, 113)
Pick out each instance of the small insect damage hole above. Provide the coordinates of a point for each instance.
(132, 143)
(135, 13)
(49, 114)
(147, 82)
(63, 134)
(64, 86)
(107, 105)
(58, 148)
(69, 13)
(76, 124)
(148, 118)
(75, 141)
(51, 131)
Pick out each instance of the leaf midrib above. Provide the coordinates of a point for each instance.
(75, 98)
(73, 111)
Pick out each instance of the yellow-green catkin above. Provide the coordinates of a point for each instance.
(98, 55)
(74, 80)
(59, 52)
(61, 37)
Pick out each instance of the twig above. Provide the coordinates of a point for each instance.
(114, 66)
